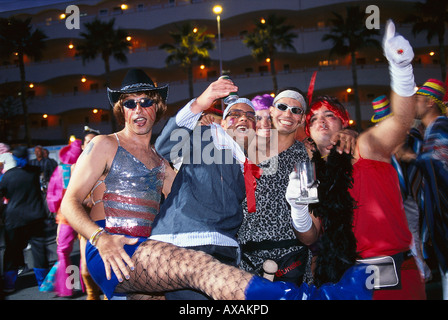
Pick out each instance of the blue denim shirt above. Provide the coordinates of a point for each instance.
(204, 206)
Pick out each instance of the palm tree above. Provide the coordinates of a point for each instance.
(103, 39)
(17, 37)
(432, 18)
(190, 44)
(9, 109)
(349, 35)
(269, 35)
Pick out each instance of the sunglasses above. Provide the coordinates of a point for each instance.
(144, 103)
(239, 113)
(284, 107)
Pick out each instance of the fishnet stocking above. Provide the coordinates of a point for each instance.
(161, 266)
(140, 296)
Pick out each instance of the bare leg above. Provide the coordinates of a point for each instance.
(162, 267)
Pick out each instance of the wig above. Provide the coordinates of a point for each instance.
(262, 102)
(158, 103)
(331, 104)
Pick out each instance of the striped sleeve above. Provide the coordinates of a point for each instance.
(186, 118)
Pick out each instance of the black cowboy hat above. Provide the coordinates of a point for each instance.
(136, 80)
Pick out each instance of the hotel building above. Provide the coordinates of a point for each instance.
(65, 94)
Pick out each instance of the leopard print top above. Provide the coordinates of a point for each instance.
(272, 219)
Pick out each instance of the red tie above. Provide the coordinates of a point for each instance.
(251, 171)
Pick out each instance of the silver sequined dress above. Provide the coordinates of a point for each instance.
(133, 193)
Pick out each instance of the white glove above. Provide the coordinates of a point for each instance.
(301, 219)
(399, 53)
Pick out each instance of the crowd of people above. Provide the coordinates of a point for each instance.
(210, 212)
(32, 190)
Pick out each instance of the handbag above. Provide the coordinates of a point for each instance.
(291, 266)
(385, 270)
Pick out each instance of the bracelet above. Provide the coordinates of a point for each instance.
(94, 237)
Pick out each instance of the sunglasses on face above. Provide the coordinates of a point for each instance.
(144, 103)
(250, 115)
(284, 107)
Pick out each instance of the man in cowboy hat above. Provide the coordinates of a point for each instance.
(125, 177)
(159, 266)
(433, 161)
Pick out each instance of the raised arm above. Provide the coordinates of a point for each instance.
(177, 130)
(216, 90)
(379, 142)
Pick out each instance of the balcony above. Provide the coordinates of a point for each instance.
(250, 84)
(308, 42)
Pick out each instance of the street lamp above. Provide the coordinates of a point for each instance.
(218, 10)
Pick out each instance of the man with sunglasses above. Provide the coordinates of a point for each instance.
(203, 211)
(256, 237)
(267, 233)
(156, 266)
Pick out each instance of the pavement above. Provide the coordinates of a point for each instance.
(27, 289)
(26, 285)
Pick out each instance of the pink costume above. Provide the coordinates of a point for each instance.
(66, 235)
